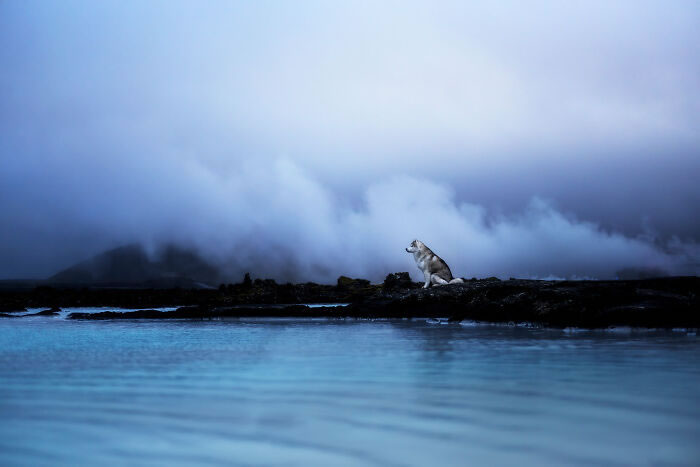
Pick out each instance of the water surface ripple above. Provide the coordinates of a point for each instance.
(343, 392)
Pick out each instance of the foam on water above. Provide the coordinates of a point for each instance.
(343, 392)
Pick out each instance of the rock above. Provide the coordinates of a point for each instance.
(659, 303)
(137, 314)
(263, 283)
(492, 279)
(51, 312)
(398, 281)
(346, 283)
(202, 312)
(353, 290)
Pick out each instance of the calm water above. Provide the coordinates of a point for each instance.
(336, 392)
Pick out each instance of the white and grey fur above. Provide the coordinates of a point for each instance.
(435, 270)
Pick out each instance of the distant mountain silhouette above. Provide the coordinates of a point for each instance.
(170, 267)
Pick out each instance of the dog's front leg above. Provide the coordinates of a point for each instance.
(426, 274)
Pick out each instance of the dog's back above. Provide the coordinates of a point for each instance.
(438, 266)
(428, 261)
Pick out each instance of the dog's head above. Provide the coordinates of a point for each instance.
(415, 246)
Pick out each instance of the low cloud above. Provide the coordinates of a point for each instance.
(535, 140)
(282, 223)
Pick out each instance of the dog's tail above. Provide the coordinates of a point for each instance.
(457, 280)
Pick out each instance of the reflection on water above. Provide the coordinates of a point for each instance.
(335, 392)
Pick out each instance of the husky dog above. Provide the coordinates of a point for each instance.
(435, 270)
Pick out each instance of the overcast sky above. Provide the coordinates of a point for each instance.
(303, 140)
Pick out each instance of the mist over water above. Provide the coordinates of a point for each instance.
(287, 225)
(301, 142)
(280, 222)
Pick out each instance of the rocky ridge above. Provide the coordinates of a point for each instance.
(653, 303)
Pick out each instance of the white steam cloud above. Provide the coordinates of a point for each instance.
(281, 223)
(273, 136)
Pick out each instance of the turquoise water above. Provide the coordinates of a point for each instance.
(344, 392)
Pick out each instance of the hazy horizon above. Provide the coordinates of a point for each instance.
(307, 140)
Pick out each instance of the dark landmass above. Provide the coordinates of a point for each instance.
(654, 303)
(131, 266)
(257, 292)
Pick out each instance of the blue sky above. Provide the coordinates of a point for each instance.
(267, 127)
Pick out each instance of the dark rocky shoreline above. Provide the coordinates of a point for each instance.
(653, 303)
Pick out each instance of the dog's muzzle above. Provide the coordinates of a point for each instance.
(407, 250)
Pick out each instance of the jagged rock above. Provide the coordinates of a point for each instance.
(347, 283)
(667, 302)
(397, 281)
(663, 303)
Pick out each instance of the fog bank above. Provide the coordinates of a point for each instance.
(305, 140)
(282, 223)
